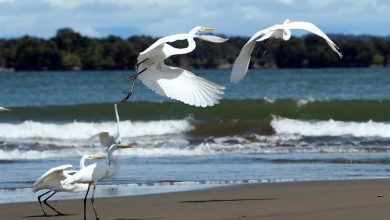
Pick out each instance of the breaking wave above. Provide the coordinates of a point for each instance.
(84, 130)
(331, 128)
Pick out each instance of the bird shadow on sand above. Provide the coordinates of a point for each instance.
(47, 216)
(227, 200)
(138, 218)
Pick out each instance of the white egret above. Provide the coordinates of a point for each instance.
(53, 179)
(95, 172)
(2, 109)
(174, 82)
(278, 31)
(105, 138)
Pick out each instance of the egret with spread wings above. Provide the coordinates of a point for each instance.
(91, 174)
(175, 82)
(105, 138)
(52, 180)
(278, 31)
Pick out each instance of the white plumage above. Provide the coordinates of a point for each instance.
(181, 84)
(88, 174)
(53, 181)
(278, 31)
(2, 109)
(105, 138)
(174, 82)
(91, 174)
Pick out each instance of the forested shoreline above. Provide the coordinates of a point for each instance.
(68, 50)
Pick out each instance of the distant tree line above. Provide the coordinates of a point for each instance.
(69, 50)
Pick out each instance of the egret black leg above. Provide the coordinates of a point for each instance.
(138, 64)
(132, 79)
(128, 94)
(45, 201)
(40, 203)
(93, 201)
(85, 202)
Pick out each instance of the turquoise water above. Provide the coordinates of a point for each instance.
(69, 88)
(276, 125)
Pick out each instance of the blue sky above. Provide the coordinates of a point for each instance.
(100, 18)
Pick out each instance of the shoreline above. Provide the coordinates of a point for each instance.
(25, 195)
(330, 199)
(224, 66)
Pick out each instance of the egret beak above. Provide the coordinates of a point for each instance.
(206, 29)
(96, 157)
(121, 147)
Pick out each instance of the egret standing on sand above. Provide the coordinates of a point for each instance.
(278, 31)
(94, 172)
(53, 179)
(105, 138)
(174, 82)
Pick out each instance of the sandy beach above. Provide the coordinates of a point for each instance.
(351, 199)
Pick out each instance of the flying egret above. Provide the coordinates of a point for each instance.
(2, 109)
(174, 82)
(53, 179)
(94, 172)
(278, 31)
(105, 138)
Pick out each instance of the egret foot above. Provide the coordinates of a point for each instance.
(126, 97)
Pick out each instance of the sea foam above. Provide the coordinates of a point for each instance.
(84, 130)
(330, 128)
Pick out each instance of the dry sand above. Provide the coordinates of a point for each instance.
(354, 199)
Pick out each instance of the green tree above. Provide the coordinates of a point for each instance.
(318, 52)
(71, 61)
(36, 54)
(356, 53)
(69, 50)
(290, 53)
(69, 41)
(92, 57)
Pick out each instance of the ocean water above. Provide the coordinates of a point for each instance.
(275, 125)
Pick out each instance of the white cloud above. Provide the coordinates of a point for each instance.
(158, 17)
(287, 2)
(252, 13)
(6, 1)
(66, 4)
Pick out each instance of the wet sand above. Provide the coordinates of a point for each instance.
(351, 199)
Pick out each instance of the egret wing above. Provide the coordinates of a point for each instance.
(53, 172)
(268, 32)
(100, 135)
(88, 174)
(307, 26)
(68, 173)
(159, 44)
(240, 66)
(211, 38)
(182, 85)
